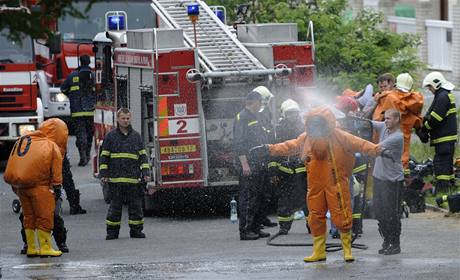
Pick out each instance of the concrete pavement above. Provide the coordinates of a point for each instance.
(207, 247)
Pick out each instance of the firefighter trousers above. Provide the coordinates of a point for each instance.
(268, 193)
(59, 230)
(132, 195)
(38, 207)
(443, 165)
(73, 195)
(250, 196)
(292, 197)
(387, 204)
(84, 134)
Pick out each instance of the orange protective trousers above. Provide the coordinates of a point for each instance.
(323, 194)
(38, 207)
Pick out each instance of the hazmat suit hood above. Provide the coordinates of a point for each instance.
(320, 124)
(56, 131)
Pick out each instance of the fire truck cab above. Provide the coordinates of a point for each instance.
(184, 90)
(20, 108)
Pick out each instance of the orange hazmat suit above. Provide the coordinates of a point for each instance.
(34, 167)
(329, 161)
(410, 105)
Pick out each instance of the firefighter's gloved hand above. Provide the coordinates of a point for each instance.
(259, 153)
(387, 154)
(57, 189)
(423, 135)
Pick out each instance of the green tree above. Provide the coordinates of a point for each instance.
(17, 21)
(350, 52)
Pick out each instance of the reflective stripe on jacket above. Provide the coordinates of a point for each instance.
(441, 118)
(123, 158)
(82, 102)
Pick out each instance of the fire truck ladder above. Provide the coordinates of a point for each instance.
(220, 53)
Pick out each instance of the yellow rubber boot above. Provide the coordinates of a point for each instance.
(346, 245)
(319, 249)
(32, 250)
(46, 248)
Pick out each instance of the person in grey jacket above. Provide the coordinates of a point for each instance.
(388, 178)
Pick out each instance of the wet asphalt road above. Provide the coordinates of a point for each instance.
(207, 247)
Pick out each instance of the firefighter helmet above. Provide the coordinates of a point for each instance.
(437, 80)
(346, 104)
(264, 92)
(289, 105)
(404, 82)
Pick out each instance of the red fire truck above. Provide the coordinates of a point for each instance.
(29, 70)
(77, 39)
(184, 98)
(20, 108)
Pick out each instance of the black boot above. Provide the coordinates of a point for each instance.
(112, 232)
(136, 231)
(136, 234)
(357, 226)
(23, 234)
(284, 227)
(307, 226)
(83, 160)
(263, 234)
(77, 210)
(111, 236)
(267, 223)
(60, 234)
(385, 246)
(386, 241)
(249, 235)
(283, 231)
(24, 249)
(394, 247)
(63, 247)
(74, 201)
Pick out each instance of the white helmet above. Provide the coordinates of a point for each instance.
(265, 92)
(289, 105)
(437, 80)
(404, 82)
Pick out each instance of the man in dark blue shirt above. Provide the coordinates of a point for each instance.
(248, 132)
(79, 87)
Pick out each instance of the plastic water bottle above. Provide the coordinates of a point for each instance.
(233, 211)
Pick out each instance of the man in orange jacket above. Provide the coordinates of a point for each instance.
(329, 154)
(408, 103)
(33, 169)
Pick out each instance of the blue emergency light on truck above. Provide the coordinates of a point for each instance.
(116, 22)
